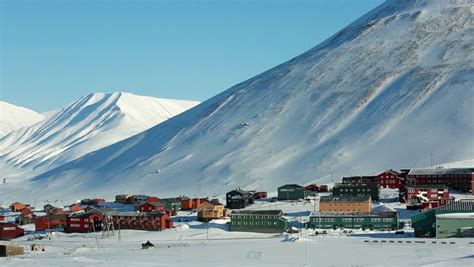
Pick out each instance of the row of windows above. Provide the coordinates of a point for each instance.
(346, 204)
(389, 182)
(253, 217)
(256, 223)
(78, 225)
(354, 190)
(349, 220)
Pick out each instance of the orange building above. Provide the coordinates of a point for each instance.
(345, 204)
(17, 206)
(207, 211)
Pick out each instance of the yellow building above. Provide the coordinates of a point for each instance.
(211, 210)
(345, 204)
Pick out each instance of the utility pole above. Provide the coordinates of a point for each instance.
(432, 159)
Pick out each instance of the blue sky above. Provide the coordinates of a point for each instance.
(53, 52)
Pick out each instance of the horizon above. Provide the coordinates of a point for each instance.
(68, 50)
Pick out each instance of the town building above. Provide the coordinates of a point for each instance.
(356, 189)
(345, 204)
(355, 220)
(171, 204)
(150, 221)
(260, 195)
(50, 221)
(238, 199)
(75, 208)
(292, 192)
(186, 203)
(94, 201)
(124, 199)
(17, 206)
(261, 221)
(390, 179)
(151, 206)
(460, 179)
(417, 194)
(455, 225)
(207, 211)
(87, 222)
(424, 223)
(10, 231)
(25, 219)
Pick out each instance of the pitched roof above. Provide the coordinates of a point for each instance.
(256, 212)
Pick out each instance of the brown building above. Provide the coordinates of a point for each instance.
(211, 210)
(345, 204)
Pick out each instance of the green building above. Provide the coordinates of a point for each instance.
(424, 223)
(260, 221)
(355, 220)
(356, 189)
(292, 192)
(170, 203)
(455, 225)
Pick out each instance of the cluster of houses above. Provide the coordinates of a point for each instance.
(348, 205)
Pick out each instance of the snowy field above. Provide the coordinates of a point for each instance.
(193, 243)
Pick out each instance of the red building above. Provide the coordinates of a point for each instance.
(151, 206)
(460, 179)
(25, 211)
(431, 204)
(51, 221)
(416, 195)
(83, 223)
(259, 195)
(198, 201)
(151, 221)
(75, 208)
(186, 203)
(9, 231)
(390, 179)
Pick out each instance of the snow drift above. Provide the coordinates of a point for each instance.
(384, 92)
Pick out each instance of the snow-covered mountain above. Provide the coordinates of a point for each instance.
(384, 92)
(90, 123)
(13, 117)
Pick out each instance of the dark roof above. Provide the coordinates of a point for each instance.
(355, 214)
(256, 212)
(460, 205)
(136, 214)
(240, 191)
(345, 199)
(440, 171)
(427, 186)
(291, 186)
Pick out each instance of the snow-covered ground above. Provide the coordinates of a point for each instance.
(193, 243)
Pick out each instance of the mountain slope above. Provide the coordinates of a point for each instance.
(386, 91)
(92, 122)
(13, 117)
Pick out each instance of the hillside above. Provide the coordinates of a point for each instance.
(384, 92)
(90, 123)
(13, 117)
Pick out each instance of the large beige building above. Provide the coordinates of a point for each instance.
(211, 210)
(345, 204)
